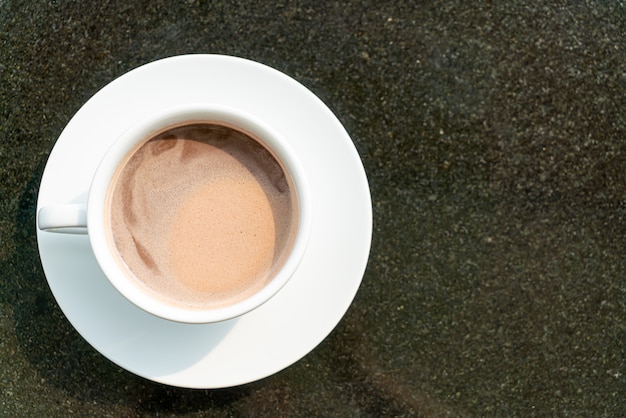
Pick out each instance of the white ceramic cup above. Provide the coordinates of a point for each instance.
(90, 218)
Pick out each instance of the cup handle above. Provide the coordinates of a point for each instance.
(66, 219)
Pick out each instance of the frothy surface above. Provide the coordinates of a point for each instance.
(202, 215)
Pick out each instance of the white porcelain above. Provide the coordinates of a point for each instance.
(268, 338)
(90, 218)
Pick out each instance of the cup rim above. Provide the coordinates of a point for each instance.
(139, 133)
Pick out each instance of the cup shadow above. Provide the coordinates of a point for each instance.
(135, 340)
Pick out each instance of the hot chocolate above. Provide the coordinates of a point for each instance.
(202, 215)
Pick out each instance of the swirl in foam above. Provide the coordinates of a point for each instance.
(202, 215)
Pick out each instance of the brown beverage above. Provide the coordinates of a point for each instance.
(202, 215)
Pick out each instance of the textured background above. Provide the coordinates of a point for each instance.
(494, 138)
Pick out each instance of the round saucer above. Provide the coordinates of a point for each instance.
(281, 331)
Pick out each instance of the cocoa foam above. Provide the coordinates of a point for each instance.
(202, 215)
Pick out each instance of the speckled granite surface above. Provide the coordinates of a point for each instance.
(494, 138)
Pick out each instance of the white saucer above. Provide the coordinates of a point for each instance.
(280, 332)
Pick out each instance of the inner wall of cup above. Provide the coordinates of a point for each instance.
(295, 201)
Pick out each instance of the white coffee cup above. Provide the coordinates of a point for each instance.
(90, 218)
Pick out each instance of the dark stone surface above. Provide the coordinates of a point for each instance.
(494, 138)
